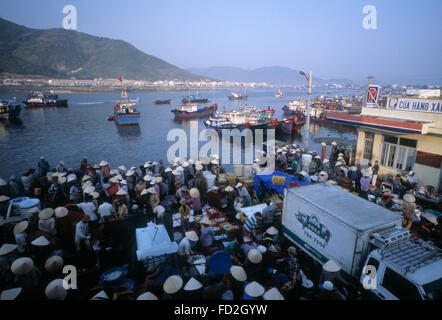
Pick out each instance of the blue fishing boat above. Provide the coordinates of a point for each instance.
(288, 126)
(195, 99)
(191, 110)
(124, 112)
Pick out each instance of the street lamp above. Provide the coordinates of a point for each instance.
(309, 79)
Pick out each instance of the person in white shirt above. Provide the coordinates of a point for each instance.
(25, 180)
(88, 208)
(82, 234)
(242, 192)
(105, 210)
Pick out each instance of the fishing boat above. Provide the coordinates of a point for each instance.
(9, 110)
(136, 100)
(38, 99)
(290, 125)
(191, 110)
(236, 96)
(293, 107)
(247, 118)
(162, 101)
(195, 99)
(124, 112)
(280, 94)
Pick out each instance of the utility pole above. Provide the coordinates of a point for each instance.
(309, 94)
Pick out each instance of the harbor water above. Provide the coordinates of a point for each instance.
(82, 129)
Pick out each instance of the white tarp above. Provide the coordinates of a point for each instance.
(154, 241)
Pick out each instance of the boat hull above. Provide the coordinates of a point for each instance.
(58, 103)
(288, 127)
(162, 101)
(300, 116)
(195, 100)
(12, 112)
(132, 119)
(240, 127)
(200, 113)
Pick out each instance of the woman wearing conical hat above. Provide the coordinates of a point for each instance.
(27, 277)
(8, 254)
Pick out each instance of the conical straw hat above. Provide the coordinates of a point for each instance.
(21, 227)
(272, 231)
(331, 266)
(10, 294)
(273, 294)
(7, 248)
(254, 289)
(254, 256)
(238, 273)
(173, 284)
(194, 193)
(61, 212)
(46, 213)
(55, 290)
(147, 296)
(192, 284)
(22, 266)
(40, 242)
(54, 263)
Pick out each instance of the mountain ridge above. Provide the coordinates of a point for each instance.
(64, 53)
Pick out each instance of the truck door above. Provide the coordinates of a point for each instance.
(395, 287)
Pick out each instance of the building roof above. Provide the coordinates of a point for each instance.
(385, 123)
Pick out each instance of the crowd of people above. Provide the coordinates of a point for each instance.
(87, 218)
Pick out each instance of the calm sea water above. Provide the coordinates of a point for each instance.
(82, 129)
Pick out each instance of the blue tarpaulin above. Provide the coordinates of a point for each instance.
(277, 181)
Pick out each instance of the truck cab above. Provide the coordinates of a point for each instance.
(404, 269)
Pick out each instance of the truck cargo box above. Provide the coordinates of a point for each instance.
(328, 222)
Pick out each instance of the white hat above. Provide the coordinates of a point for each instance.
(279, 150)
(307, 283)
(262, 249)
(185, 164)
(10, 294)
(123, 182)
(96, 166)
(103, 163)
(89, 189)
(40, 242)
(191, 161)
(129, 173)
(331, 266)
(159, 210)
(55, 290)
(173, 284)
(22, 266)
(147, 177)
(46, 213)
(155, 163)
(71, 178)
(334, 143)
(4, 198)
(238, 273)
(113, 171)
(325, 161)
(102, 294)
(121, 192)
(153, 181)
(254, 256)
(272, 231)
(192, 236)
(54, 263)
(119, 177)
(254, 289)
(273, 294)
(199, 167)
(322, 173)
(409, 198)
(238, 185)
(86, 177)
(7, 248)
(192, 284)
(147, 296)
(328, 285)
(151, 190)
(114, 180)
(317, 157)
(215, 161)
(206, 221)
(144, 192)
(175, 172)
(228, 189)
(95, 195)
(411, 173)
(122, 168)
(168, 170)
(194, 193)
(180, 169)
(62, 179)
(21, 227)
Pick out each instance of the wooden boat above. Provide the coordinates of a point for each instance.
(162, 101)
(191, 110)
(124, 112)
(9, 110)
(290, 125)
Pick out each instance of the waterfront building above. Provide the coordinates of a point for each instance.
(404, 134)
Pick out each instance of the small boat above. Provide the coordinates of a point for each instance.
(280, 94)
(162, 101)
(194, 99)
(247, 118)
(136, 100)
(191, 110)
(124, 112)
(236, 96)
(290, 125)
(38, 99)
(9, 110)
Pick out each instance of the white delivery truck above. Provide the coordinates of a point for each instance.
(367, 240)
